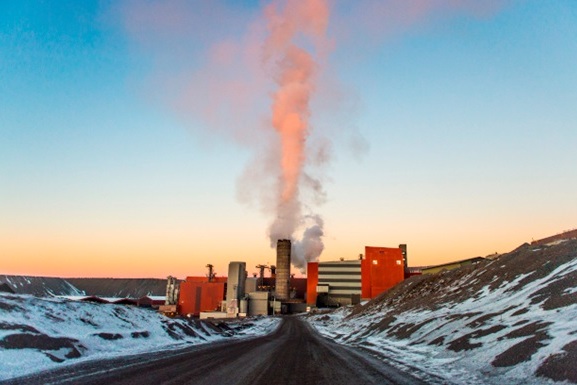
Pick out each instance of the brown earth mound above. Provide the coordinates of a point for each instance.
(561, 366)
(527, 270)
(46, 344)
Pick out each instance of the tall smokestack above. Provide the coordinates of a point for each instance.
(283, 266)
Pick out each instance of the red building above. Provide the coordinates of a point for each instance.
(197, 295)
(381, 269)
(312, 282)
(344, 282)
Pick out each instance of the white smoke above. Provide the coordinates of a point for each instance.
(310, 247)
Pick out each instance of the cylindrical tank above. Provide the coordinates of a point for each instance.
(171, 291)
(244, 306)
(283, 266)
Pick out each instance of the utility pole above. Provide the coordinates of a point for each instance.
(211, 273)
(261, 273)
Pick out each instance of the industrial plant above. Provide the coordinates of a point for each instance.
(272, 290)
(328, 284)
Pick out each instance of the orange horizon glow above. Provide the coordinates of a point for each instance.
(145, 259)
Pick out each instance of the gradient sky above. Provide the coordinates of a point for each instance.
(129, 131)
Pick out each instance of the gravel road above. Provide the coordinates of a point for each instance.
(293, 354)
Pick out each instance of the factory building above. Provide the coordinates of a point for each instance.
(196, 297)
(198, 294)
(343, 282)
(327, 284)
(383, 268)
(334, 283)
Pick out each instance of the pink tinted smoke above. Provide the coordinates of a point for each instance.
(376, 20)
(294, 73)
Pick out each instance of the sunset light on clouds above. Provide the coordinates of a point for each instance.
(148, 138)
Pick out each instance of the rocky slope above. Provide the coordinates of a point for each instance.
(120, 287)
(103, 287)
(511, 320)
(39, 286)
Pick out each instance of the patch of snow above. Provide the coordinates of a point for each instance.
(570, 290)
(157, 297)
(557, 242)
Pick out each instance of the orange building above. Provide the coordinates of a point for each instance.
(312, 282)
(381, 269)
(197, 295)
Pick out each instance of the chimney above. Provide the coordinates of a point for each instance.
(283, 266)
(403, 248)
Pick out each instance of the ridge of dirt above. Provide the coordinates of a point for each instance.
(103, 287)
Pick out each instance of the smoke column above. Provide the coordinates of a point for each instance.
(226, 89)
(298, 25)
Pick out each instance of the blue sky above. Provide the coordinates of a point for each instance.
(454, 133)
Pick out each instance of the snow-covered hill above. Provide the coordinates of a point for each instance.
(40, 333)
(509, 321)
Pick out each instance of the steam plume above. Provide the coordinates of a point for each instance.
(291, 29)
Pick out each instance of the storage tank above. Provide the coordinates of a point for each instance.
(283, 265)
(244, 306)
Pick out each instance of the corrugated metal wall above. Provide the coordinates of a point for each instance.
(342, 277)
(200, 296)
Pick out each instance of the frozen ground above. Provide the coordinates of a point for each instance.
(509, 321)
(42, 333)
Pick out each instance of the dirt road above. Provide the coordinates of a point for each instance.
(293, 354)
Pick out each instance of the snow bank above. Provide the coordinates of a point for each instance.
(41, 333)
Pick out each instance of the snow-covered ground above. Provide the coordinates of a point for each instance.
(399, 353)
(499, 323)
(43, 333)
